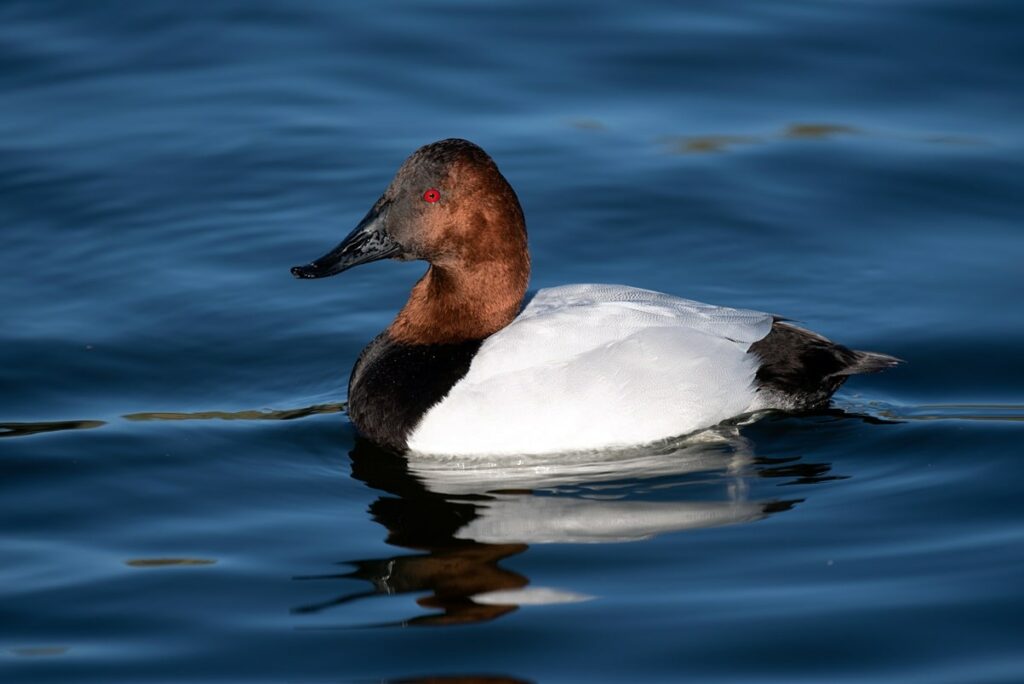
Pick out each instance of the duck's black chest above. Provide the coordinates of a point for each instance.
(393, 385)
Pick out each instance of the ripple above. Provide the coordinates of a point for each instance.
(26, 429)
(972, 412)
(166, 562)
(39, 651)
(722, 142)
(253, 414)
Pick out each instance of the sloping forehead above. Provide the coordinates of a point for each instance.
(439, 158)
(447, 151)
(445, 163)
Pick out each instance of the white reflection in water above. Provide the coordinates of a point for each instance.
(594, 515)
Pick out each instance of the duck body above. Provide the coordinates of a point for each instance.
(463, 371)
(598, 366)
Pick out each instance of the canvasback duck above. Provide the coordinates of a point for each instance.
(465, 369)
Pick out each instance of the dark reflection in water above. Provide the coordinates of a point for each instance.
(254, 414)
(167, 562)
(25, 429)
(795, 471)
(9, 429)
(464, 521)
(452, 569)
(722, 142)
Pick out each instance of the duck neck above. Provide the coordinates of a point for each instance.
(453, 304)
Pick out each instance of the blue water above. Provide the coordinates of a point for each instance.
(182, 499)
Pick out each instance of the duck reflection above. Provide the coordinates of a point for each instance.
(466, 518)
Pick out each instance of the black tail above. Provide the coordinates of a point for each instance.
(869, 362)
(801, 369)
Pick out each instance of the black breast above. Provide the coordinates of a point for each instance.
(393, 385)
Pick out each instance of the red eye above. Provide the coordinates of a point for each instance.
(431, 195)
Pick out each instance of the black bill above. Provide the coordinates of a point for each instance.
(368, 242)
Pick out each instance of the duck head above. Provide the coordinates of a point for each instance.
(450, 206)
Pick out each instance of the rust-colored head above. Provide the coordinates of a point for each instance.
(448, 205)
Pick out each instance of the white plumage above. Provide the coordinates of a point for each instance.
(598, 366)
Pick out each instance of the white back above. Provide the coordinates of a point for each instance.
(598, 366)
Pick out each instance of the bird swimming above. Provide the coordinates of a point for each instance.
(466, 369)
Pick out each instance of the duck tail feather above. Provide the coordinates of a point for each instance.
(869, 362)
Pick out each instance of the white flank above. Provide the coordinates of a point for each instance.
(594, 367)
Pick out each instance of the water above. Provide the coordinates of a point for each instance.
(182, 500)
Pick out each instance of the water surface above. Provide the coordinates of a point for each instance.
(182, 497)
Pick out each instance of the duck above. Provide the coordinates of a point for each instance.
(471, 367)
